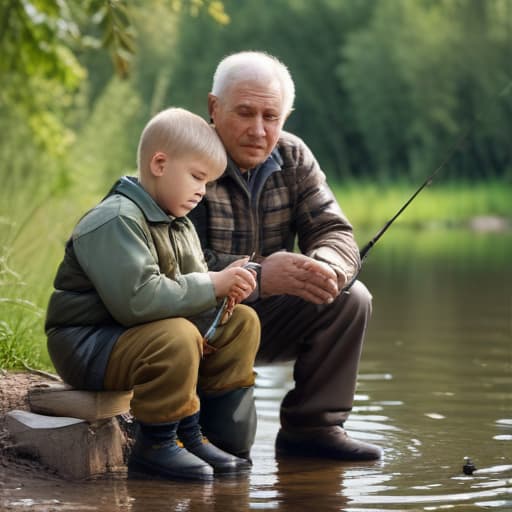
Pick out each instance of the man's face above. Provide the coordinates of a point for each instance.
(249, 119)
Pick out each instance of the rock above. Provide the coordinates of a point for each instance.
(59, 399)
(74, 448)
(488, 223)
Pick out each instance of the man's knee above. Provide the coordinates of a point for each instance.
(359, 298)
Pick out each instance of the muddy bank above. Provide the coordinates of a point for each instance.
(13, 395)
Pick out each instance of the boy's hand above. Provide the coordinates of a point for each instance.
(234, 281)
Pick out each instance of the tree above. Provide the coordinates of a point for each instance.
(45, 47)
(306, 36)
(420, 73)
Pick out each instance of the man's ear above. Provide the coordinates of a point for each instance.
(157, 163)
(212, 102)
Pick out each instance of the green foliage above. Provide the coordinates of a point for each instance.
(306, 36)
(34, 37)
(106, 145)
(383, 87)
(421, 73)
(113, 20)
(38, 74)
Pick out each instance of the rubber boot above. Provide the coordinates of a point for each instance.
(229, 420)
(189, 433)
(331, 442)
(156, 452)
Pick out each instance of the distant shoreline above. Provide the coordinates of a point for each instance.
(480, 206)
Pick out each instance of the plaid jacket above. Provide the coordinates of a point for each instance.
(286, 201)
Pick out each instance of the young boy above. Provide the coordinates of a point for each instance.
(133, 297)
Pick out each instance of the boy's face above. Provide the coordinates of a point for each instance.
(181, 182)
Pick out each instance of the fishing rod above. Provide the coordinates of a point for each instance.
(455, 147)
(366, 249)
(451, 151)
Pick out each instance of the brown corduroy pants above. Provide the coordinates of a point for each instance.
(325, 342)
(162, 363)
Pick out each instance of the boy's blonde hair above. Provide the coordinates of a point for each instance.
(178, 132)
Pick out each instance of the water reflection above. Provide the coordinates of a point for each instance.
(155, 495)
(435, 385)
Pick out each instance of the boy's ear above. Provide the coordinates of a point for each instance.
(157, 163)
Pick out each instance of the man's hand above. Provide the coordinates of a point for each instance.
(295, 274)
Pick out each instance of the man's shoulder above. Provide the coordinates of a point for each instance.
(296, 156)
(293, 149)
(290, 140)
(113, 207)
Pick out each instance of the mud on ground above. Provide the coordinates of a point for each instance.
(13, 395)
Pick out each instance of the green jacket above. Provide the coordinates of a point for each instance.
(126, 263)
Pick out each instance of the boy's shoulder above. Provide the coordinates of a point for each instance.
(114, 206)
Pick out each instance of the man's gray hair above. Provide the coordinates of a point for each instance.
(253, 65)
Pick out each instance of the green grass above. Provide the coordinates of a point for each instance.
(32, 247)
(369, 205)
(32, 243)
(21, 319)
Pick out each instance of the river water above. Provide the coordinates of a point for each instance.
(435, 385)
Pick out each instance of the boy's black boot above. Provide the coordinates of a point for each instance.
(156, 452)
(189, 433)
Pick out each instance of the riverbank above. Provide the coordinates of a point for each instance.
(456, 205)
(13, 395)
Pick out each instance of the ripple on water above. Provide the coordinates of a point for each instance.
(503, 437)
(411, 499)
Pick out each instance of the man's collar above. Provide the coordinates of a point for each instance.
(273, 162)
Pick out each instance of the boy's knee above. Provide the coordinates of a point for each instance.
(231, 365)
(174, 338)
(246, 321)
(246, 316)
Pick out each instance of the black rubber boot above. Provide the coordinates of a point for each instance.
(156, 452)
(229, 420)
(189, 433)
(326, 442)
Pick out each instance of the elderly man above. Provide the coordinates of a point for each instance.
(272, 195)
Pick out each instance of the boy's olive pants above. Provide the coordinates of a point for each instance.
(162, 363)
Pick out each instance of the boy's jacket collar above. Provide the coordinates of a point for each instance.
(130, 187)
